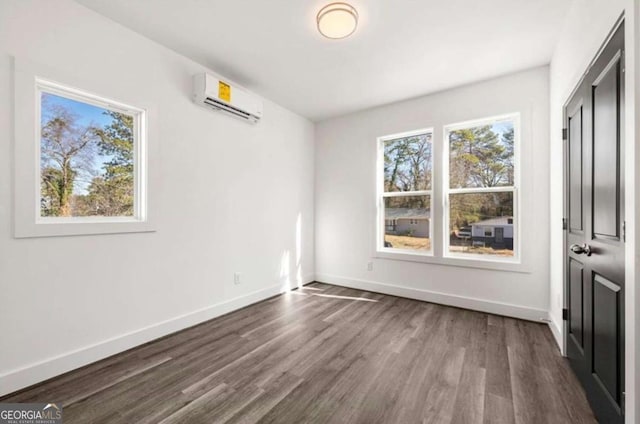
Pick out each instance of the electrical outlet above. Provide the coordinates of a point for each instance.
(237, 278)
(369, 266)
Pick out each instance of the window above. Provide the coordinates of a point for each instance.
(80, 159)
(476, 199)
(87, 156)
(405, 192)
(481, 188)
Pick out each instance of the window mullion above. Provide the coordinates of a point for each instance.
(407, 193)
(471, 190)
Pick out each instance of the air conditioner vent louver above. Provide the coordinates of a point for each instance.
(219, 105)
(211, 91)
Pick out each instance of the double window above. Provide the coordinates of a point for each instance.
(478, 176)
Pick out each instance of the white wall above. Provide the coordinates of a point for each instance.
(587, 26)
(228, 198)
(346, 190)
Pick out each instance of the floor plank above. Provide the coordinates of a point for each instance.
(328, 354)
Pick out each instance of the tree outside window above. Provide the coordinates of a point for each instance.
(86, 159)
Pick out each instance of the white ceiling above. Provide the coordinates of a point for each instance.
(402, 48)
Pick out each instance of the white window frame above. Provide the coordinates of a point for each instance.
(30, 81)
(381, 195)
(446, 191)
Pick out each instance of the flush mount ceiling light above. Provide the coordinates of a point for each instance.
(337, 20)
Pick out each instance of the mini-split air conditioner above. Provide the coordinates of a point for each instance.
(212, 92)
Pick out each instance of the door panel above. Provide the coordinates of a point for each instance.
(606, 187)
(594, 207)
(575, 176)
(606, 333)
(576, 319)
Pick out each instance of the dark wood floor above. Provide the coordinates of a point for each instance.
(326, 354)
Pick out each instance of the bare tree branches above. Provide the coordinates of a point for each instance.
(99, 160)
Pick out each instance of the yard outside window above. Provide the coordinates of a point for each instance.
(406, 192)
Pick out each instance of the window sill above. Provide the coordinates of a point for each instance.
(507, 265)
(81, 227)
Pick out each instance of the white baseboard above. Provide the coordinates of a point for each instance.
(34, 373)
(557, 333)
(483, 305)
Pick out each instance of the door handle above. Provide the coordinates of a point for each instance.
(581, 248)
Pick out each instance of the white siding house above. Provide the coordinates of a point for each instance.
(407, 222)
(496, 232)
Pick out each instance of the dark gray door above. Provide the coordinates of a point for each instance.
(499, 235)
(595, 232)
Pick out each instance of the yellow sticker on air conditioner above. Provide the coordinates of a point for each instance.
(224, 91)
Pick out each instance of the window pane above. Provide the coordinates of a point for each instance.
(408, 163)
(406, 223)
(86, 159)
(482, 156)
(481, 223)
